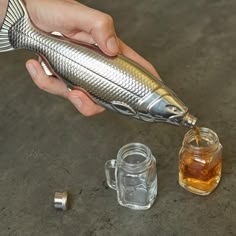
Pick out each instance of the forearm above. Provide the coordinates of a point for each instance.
(3, 8)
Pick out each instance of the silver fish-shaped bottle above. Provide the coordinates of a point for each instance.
(117, 83)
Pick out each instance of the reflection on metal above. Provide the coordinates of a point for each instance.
(61, 200)
(116, 83)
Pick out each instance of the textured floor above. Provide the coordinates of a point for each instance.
(47, 146)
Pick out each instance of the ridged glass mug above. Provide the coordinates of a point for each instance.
(133, 175)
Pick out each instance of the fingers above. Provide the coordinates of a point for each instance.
(76, 17)
(99, 25)
(130, 53)
(49, 84)
(84, 24)
(84, 104)
(83, 37)
(55, 86)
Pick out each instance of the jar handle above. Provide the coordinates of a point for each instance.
(110, 171)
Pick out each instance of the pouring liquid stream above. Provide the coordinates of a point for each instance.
(198, 137)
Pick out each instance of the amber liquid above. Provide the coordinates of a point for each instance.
(198, 137)
(197, 171)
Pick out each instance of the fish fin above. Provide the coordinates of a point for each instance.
(45, 67)
(57, 34)
(123, 108)
(15, 11)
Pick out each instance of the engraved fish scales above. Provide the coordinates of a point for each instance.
(105, 79)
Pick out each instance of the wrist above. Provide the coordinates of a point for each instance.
(3, 8)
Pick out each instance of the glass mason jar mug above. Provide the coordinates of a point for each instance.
(200, 161)
(134, 176)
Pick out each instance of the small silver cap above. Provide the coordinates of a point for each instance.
(189, 120)
(61, 200)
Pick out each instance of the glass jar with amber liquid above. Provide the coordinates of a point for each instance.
(200, 161)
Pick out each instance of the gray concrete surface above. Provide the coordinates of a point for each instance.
(47, 146)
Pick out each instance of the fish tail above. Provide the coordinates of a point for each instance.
(15, 12)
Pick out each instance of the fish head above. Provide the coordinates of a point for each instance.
(164, 106)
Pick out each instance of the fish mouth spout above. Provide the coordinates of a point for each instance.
(164, 106)
(186, 120)
(189, 120)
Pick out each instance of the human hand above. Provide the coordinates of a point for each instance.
(78, 22)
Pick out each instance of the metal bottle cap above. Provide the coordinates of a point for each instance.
(61, 200)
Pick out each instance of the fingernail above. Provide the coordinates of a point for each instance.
(31, 70)
(77, 102)
(112, 45)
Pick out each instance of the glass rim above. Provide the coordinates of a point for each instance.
(129, 147)
(189, 136)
